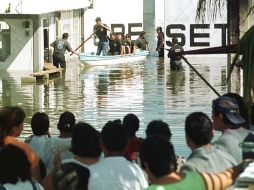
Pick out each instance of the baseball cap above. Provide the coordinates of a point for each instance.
(229, 108)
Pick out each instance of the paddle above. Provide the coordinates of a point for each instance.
(84, 42)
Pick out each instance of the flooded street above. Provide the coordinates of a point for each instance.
(97, 94)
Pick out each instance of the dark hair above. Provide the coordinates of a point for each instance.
(10, 116)
(40, 123)
(114, 136)
(98, 19)
(71, 176)
(131, 124)
(65, 35)
(66, 122)
(85, 141)
(159, 155)
(13, 170)
(159, 28)
(199, 128)
(158, 128)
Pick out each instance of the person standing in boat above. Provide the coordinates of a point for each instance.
(160, 42)
(60, 46)
(175, 59)
(100, 31)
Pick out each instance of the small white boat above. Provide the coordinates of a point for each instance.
(90, 59)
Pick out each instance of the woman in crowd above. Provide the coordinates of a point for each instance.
(11, 124)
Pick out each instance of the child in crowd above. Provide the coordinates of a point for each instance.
(60, 143)
(131, 125)
(40, 127)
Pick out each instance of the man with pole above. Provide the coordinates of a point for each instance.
(60, 46)
(100, 31)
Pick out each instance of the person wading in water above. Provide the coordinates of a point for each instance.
(175, 60)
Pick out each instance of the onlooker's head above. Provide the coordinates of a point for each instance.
(131, 124)
(158, 128)
(71, 176)
(40, 123)
(198, 129)
(66, 122)
(14, 165)
(65, 36)
(11, 121)
(114, 137)
(157, 156)
(85, 141)
(242, 107)
(225, 113)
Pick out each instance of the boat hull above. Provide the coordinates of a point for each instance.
(89, 59)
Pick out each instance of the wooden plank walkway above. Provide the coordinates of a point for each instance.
(45, 74)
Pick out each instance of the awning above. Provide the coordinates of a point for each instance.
(40, 7)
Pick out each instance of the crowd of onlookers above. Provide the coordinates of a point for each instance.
(81, 157)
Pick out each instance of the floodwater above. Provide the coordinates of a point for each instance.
(95, 95)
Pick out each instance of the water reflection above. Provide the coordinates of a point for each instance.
(98, 94)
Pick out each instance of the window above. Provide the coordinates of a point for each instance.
(5, 41)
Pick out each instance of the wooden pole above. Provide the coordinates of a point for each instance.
(193, 68)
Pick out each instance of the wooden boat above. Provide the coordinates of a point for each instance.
(91, 59)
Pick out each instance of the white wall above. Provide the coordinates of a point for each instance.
(113, 12)
(184, 13)
(21, 57)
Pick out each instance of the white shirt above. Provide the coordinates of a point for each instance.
(53, 145)
(22, 185)
(37, 143)
(229, 142)
(116, 173)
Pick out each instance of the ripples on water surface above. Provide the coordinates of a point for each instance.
(98, 94)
